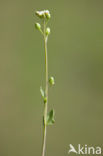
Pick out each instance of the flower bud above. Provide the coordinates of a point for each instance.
(37, 26)
(47, 31)
(51, 80)
(45, 100)
(47, 14)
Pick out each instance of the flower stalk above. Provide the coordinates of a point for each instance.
(48, 118)
(46, 92)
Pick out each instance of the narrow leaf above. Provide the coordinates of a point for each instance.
(50, 118)
(42, 92)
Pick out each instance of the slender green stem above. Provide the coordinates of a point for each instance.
(46, 92)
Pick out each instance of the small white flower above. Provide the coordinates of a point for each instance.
(43, 14)
(47, 14)
(46, 11)
(40, 13)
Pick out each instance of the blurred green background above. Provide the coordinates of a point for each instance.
(75, 51)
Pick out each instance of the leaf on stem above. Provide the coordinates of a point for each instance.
(42, 92)
(50, 118)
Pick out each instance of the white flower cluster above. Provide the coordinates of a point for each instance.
(43, 14)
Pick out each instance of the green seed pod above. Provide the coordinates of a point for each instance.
(38, 26)
(51, 80)
(47, 31)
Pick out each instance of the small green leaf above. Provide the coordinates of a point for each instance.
(42, 92)
(50, 118)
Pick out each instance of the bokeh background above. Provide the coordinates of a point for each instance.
(75, 51)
